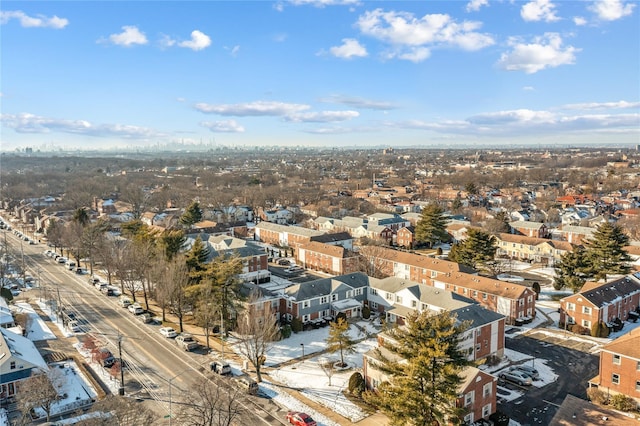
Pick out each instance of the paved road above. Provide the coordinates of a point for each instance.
(569, 359)
(155, 367)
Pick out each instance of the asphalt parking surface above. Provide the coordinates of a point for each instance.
(569, 359)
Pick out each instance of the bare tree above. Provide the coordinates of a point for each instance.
(176, 280)
(372, 261)
(38, 391)
(208, 404)
(119, 410)
(257, 331)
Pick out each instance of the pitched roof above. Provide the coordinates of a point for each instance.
(626, 345)
(607, 293)
(484, 284)
(296, 230)
(526, 224)
(324, 286)
(578, 412)
(477, 315)
(443, 299)
(419, 261)
(327, 249)
(332, 238)
(14, 345)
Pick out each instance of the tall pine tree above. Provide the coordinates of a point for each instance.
(432, 227)
(422, 366)
(339, 339)
(191, 215)
(570, 272)
(476, 251)
(605, 252)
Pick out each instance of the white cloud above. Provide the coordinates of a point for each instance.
(579, 21)
(258, 108)
(411, 37)
(528, 88)
(539, 10)
(30, 123)
(350, 48)
(603, 105)
(129, 36)
(199, 41)
(228, 126)
(233, 51)
(323, 3)
(322, 117)
(358, 102)
(544, 52)
(475, 5)
(611, 10)
(27, 21)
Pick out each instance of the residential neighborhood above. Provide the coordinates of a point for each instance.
(510, 254)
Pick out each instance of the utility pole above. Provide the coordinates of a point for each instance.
(121, 389)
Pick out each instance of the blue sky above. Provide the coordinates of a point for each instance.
(343, 73)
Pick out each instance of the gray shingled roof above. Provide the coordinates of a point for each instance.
(608, 292)
(477, 315)
(324, 286)
(332, 238)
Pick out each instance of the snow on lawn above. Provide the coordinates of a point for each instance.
(37, 329)
(309, 378)
(48, 307)
(75, 389)
(105, 375)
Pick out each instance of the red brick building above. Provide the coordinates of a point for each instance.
(602, 302)
(331, 259)
(405, 237)
(283, 235)
(620, 367)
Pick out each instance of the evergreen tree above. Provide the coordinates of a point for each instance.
(172, 242)
(423, 388)
(81, 216)
(339, 339)
(570, 271)
(432, 226)
(196, 258)
(605, 252)
(477, 250)
(471, 188)
(191, 215)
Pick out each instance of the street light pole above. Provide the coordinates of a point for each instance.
(302, 344)
(121, 388)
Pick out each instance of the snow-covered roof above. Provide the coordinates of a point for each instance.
(14, 345)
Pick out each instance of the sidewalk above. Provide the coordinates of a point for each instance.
(216, 346)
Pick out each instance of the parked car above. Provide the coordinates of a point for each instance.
(529, 371)
(297, 418)
(80, 271)
(73, 326)
(125, 301)
(168, 332)
(516, 376)
(136, 309)
(186, 341)
(62, 259)
(93, 280)
(220, 367)
(105, 357)
(247, 384)
(284, 262)
(146, 318)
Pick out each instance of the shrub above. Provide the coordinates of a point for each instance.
(366, 312)
(285, 331)
(578, 329)
(356, 384)
(623, 402)
(296, 325)
(596, 396)
(499, 418)
(6, 293)
(599, 329)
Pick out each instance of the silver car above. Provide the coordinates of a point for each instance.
(516, 376)
(529, 371)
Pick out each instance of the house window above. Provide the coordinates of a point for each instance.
(484, 296)
(586, 310)
(389, 296)
(434, 274)
(305, 304)
(638, 366)
(486, 390)
(616, 359)
(478, 347)
(638, 385)
(586, 323)
(399, 299)
(324, 299)
(289, 304)
(468, 419)
(306, 318)
(571, 306)
(334, 297)
(486, 410)
(468, 398)
(615, 379)
(414, 304)
(475, 293)
(374, 291)
(12, 366)
(374, 305)
(520, 302)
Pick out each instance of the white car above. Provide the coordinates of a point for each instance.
(168, 332)
(135, 309)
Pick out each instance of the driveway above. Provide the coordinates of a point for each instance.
(573, 364)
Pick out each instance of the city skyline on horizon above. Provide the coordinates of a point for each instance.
(319, 73)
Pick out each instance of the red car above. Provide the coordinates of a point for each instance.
(300, 419)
